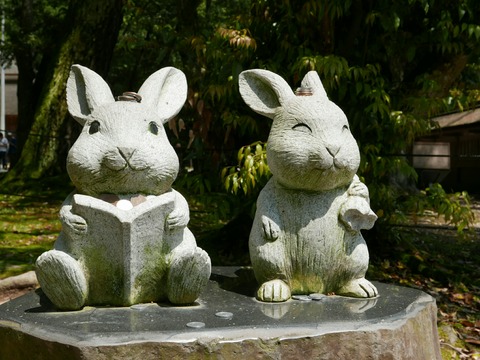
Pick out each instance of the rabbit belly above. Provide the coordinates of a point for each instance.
(320, 258)
(313, 251)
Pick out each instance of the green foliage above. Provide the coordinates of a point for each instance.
(252, 171)
(32, 28)
(456, 208)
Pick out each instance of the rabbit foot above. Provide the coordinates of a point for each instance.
(274, 291)
(361, 288)
(62, 280)
(188, 275)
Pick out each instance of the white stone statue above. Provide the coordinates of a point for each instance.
(306, 232)
(124, 237)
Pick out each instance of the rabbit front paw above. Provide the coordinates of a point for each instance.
(271, 231)
(357, 188)
(177, 219)
(75, 223)
(361, 288)
(274, 291)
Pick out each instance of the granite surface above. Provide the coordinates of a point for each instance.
(224, 322)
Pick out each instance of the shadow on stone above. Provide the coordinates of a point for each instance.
(243, 283)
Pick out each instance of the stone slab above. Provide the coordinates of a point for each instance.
(227, 323)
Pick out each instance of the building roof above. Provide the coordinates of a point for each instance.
(458, 119)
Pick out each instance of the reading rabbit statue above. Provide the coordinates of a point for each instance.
(306, 233)
(124, 237)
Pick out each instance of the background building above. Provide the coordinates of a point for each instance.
(450, 155)
(11, 103)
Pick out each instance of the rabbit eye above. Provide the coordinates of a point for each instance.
(94, 127)
(153, 128)
(302, 127)
(345, 127)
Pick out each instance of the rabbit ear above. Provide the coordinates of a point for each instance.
(165, 91)
(86, 90)
(264, 91)
(312, 80)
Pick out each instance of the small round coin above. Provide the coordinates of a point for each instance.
(196, 324)
(301, 297)
(317, 296)
(138, 306)
(224, 314)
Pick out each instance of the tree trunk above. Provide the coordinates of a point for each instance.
(89, 40)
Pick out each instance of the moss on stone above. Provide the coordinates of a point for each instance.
(149, 285)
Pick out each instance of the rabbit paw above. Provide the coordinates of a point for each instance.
(361, 288)
(357, 188)
(177, 219)
(271, 231)
(76, 223)
(274, 291)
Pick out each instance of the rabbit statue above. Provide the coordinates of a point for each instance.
(306, 236)
(124, 237)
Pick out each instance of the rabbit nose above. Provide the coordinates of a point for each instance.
(126, 152)
(332, 149)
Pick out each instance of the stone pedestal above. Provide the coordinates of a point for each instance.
(227, 323)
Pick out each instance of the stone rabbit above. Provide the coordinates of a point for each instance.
(306, 233)
(124, 237)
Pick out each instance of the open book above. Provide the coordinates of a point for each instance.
(124, 251)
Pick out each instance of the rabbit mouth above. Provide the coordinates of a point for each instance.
(330, 164)
(337, 164)
(122, 160)
(125, 166)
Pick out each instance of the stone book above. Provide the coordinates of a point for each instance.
(125, 249)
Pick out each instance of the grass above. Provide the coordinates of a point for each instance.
(431, 259)
(29, 222)
(28, 227)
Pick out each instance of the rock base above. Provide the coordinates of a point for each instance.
(227, 323)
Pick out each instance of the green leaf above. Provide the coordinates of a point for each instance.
(396, 21)
(477, 32)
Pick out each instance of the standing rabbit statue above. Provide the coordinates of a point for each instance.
(306, 233)
(124, 237)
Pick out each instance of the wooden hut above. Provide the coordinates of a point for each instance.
(450, 154)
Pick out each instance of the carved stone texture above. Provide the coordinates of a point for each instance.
(124, 237)
(306, 234)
